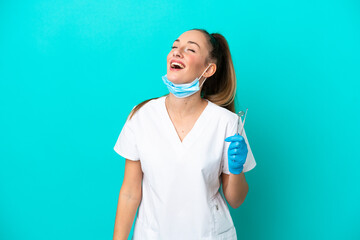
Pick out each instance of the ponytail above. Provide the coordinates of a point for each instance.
(220, 88)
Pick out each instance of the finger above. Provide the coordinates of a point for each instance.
(239, 145)
(237, 162)
(234, 151)
(234, 145)
(235, 138)
(242, 146)
(232, 157)
(238, 157)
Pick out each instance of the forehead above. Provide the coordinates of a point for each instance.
(194, 36)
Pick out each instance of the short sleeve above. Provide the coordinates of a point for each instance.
(126, 143)
(250, 160)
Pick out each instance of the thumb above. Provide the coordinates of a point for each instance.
(234, 138)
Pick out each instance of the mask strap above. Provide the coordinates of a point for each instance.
(203, 74)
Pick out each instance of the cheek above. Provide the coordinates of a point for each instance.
(195, 62)
(169, 56)
(192, 59)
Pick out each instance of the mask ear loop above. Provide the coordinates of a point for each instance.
(203, 74)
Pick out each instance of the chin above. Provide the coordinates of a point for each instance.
(176, 78)
(173, 78)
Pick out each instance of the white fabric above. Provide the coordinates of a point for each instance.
(181, 180)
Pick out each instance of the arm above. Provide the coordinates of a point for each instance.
(129, 200)
(235, 188)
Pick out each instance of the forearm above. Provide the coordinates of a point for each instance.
(125, 214)
(236, 190)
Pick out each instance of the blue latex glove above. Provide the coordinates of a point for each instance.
(237, 153)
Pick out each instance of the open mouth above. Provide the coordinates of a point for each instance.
(176, 65)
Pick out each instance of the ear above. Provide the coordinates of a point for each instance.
(211, 70)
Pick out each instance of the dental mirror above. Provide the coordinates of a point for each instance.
(240, 114)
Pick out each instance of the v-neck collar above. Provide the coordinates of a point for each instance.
(195, 130)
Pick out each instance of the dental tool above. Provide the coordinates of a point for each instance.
(240, 114)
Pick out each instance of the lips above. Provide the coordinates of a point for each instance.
(176, 65)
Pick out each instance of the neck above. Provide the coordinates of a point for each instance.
(183, 107)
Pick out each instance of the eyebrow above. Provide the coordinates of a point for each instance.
(191, 42)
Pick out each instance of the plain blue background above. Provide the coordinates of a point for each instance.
(71, 71)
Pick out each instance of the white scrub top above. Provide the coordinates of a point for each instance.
(181, 180)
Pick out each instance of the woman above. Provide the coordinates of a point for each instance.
(181, 147)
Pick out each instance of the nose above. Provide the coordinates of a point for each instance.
(176, 53)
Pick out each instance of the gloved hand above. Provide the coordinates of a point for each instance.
(237, 153)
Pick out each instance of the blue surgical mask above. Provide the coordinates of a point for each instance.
(185, 89)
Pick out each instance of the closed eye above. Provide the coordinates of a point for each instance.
(192, 50)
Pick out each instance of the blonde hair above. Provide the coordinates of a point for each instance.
(220, 88)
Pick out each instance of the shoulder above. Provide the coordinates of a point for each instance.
(223, 115)
(148, 108)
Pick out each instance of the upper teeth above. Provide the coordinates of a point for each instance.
(177, 64)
